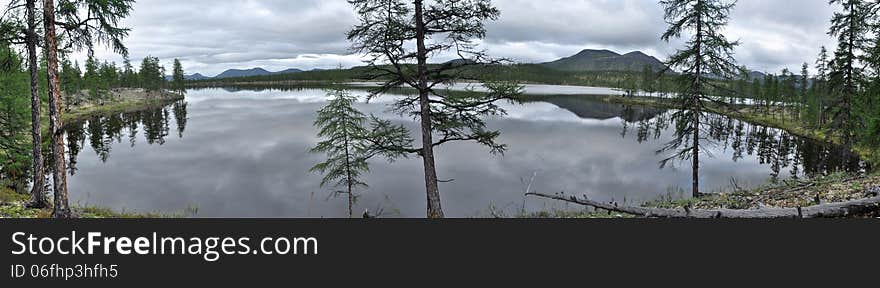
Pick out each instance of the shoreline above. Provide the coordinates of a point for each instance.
(142, 100)
(792, 126)
(12, 204)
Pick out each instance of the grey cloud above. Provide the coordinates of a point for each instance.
(211, 36)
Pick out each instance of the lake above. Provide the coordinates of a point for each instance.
(244, 153)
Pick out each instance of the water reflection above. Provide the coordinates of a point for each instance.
(245, 154)
(587, 107)
(781, 150)
(102, 131)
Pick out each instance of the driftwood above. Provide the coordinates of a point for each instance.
(828, 210)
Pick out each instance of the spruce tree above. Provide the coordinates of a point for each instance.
(823, 66)
(15, 160)
(850, 26)
(804, 88)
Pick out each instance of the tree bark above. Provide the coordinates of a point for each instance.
(433, 192)
(829, 210)
(59, 171)
(695, 186)
(348, 178)
(38, 198)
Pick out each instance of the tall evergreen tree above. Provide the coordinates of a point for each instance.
(25, 32)
(151, 75)
(804, 88)
(90, 77)
(823, 66)
(871, 101)
(14, 155)
(59, 171)
(129, 77)
(850, 26)
(706, 53)
(400, 36)
(85, 22)
(177, 78)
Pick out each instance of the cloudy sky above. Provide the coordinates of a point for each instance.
(210, 36)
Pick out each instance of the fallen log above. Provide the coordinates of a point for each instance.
(828, 210)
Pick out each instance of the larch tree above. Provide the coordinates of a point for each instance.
(348, 144)
(707, 54)
(399, 37)
(177, 78)
(83, 24)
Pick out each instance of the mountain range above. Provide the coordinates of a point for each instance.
(236, 73)
(588, 60)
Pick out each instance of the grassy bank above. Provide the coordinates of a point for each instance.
(83, 113)
(12, 205)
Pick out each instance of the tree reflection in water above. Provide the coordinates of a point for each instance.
(102, 130)
(783, 151)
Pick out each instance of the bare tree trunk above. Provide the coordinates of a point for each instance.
(38, 198)
(348, 178)
(696, 165)
(350, 202)
(59, 171)
(852, 208)
(433, 191)
(695, 186)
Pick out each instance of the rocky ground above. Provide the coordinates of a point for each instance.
(791, 194)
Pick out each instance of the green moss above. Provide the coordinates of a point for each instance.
(9, 196)
(18, 211)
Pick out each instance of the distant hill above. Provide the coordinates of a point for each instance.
(756, 75)
(196, 76)
(237, 73)
(288, 71)
(605, 60)
(233, 73)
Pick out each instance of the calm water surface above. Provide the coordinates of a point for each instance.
(244, 153)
